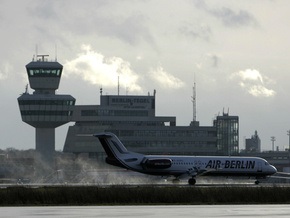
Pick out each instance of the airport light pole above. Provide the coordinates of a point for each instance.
(273, 139)
(288, 133)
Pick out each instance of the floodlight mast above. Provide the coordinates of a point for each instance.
(273, 139)
(193, 100)
(288, 133)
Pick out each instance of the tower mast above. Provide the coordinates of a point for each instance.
(194, 102)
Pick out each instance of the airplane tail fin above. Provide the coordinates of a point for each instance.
(113, 147)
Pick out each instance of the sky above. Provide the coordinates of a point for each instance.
(237, 53)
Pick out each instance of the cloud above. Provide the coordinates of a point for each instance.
(195, 31)
(234, 19)
(249, 74)
(261, 91)
(94, 68)
(209, 60)
(229, 17)
(252, 81)
(133, 30)
(98, 18)
(214, 59)
(44, 10)
(4, 70)
(165, 79)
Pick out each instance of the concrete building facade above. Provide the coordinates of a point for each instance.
(253, 144)
(227, 128)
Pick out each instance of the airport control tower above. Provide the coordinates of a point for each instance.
(43, 109)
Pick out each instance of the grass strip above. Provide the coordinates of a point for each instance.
(120, 195)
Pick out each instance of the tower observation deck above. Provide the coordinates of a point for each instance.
(43, 109)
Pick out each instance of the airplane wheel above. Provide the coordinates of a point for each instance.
(257, 182)
(191, 181)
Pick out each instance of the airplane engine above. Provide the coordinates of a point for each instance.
(163, 163)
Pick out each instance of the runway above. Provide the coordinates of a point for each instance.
(133, 179)
(220, 211)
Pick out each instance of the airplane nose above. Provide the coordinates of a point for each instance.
(273, 169)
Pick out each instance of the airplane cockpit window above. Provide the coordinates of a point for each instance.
(266, 163)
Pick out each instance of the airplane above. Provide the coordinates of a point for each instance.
(181, 166)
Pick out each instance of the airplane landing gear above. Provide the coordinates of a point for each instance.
(191, 181)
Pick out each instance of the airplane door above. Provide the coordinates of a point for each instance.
(259, 167)
(197, 164)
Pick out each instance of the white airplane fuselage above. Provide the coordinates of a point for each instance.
(191, 166)
(213, 165)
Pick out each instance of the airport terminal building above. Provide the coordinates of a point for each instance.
(132, 118)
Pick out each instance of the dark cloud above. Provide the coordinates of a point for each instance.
(196, 31)
(215, 60)
(229, 17)
(131, 29)
(95, 18)
(43, 10)
(234, 19)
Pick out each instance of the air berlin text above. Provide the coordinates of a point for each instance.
(232, 164)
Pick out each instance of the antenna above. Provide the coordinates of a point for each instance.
(26, 89)
(36, 51)
(118, 85)
(193, 99)
(55, 52)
